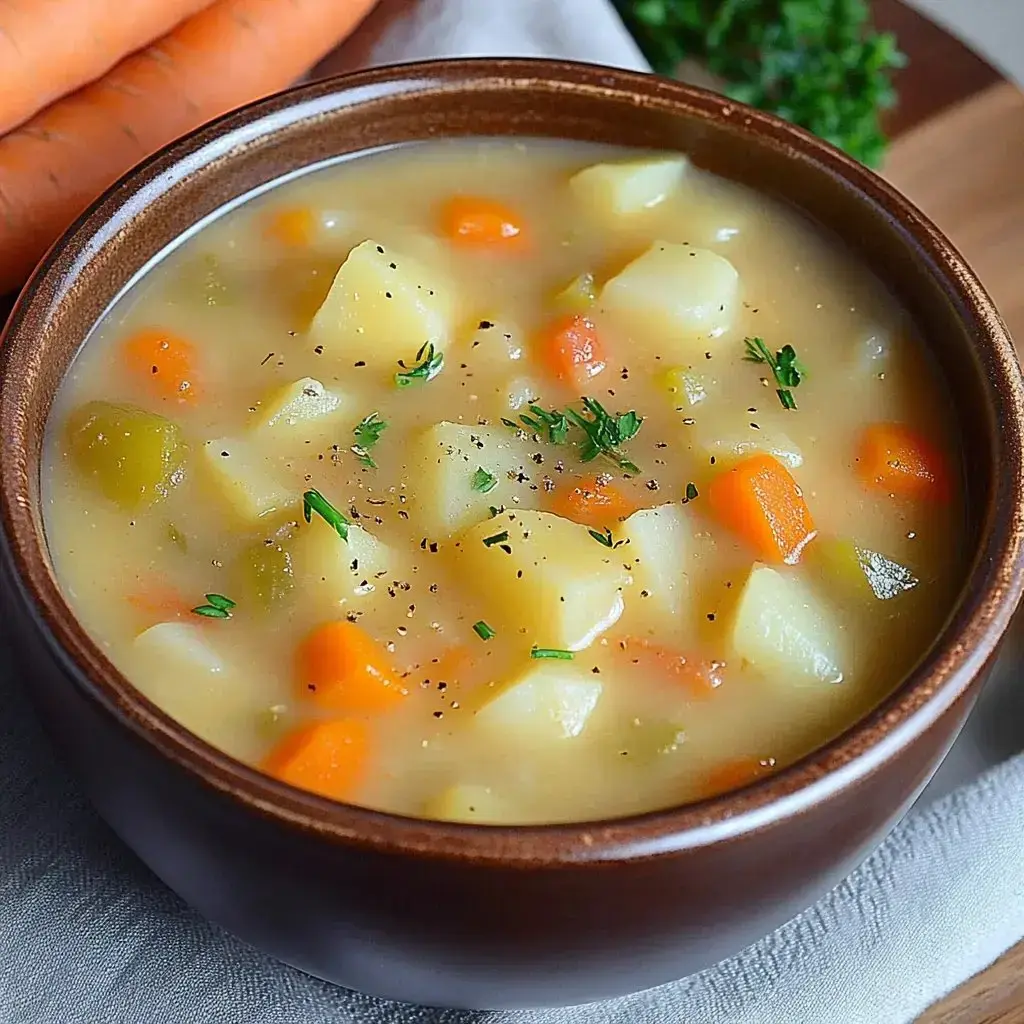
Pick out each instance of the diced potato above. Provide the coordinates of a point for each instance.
(686, 386)
(302, 411)
(550, 701)
(558, 587)
(131, 456)
(382, 307)
(175, 666)
(730, 444)
(658, 551)
(450, 493)
(672, 298)
(629, 186)
(521, 392)
(784, 630)
(468, 803)
(578, 296)
(493, 346)
(245, 479)
(331, 573)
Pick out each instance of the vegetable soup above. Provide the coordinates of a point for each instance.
(508, 482)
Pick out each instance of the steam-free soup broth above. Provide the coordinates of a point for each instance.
(507, 482)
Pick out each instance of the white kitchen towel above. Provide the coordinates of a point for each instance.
(89, 936)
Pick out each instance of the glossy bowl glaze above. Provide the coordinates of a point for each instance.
(474, 916)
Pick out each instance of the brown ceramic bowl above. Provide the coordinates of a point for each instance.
(475, 916)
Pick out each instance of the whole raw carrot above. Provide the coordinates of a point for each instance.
(49, 48)
(233, 52)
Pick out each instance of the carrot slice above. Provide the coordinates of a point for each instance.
(159, 602)
(593, 501)
(760, 501)
(292, 227)
(327, 758)
(735, 774)
(571, 349)
(342, 668)
(474, 221)
(699, 677)
(166, 363)
(892, 457)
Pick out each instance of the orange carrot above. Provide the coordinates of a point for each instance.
(292, 227)
(164, 363)
(159, 602)
(342, 668)
(474, 221)
(593, 501)
(50, 49)
(760, 501)
(327, 758)
(231, 53)
(892, 457)
(699, 677)
(736, 774)
(572, 350)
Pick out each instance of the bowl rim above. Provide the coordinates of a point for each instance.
(992, 589)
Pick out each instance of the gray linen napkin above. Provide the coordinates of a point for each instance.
(89, 936)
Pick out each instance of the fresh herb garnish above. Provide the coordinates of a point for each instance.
(314, 501)
(691, 492)
(217, 607)
(498, 538)
(817, 63)
(483, 481)
(368, 431)
(430, 363)
(551, 652)
(482, 630)
(784, 365)
(540, 421)
(603, 538)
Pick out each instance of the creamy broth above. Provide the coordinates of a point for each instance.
(507, 632)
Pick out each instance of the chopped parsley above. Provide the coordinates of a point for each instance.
(784, 365)
(217, 607)
(541, 421)
(691, 492)
(603, 538)
(483, 481)
(482, 630)
(429, 364)
(314, 501)
(552, 653)
(498, 538)
(368, 431)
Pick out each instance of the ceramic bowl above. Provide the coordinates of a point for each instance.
(476, 916)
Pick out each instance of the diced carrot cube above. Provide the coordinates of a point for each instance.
(894, 458)
(327, 758)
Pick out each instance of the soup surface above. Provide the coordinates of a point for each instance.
(507, 482)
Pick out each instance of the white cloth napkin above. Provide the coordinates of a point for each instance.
(89, 936)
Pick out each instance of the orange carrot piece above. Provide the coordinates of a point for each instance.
(160, 602)
(699, 677)
(50, 49)
(292, 227)
(736, 774)
(474, 221)
(165, 363)
(326, 758)
(571, 349)
(230, 53)
(593, 501)
(892, 457)
(342, 668)
(760, 501)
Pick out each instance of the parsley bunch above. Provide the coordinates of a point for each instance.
(817, 63)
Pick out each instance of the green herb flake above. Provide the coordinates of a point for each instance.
(551, 423)
(429, 364)
(483, 481)
(551, 653)
(314, 501)
(785, 367)
(498, 538)
(691, 492)
(217, 607)
(367, 432)
(482, 630)
(604, 538)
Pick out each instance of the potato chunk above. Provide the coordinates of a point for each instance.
(550, 580)
(550, 701)
(658, 549)
(245, 479)
(382, 307)
(785, 632)
(672, 298)
(302, 411)
(460, 471)
(730, 444)
(623, 187)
